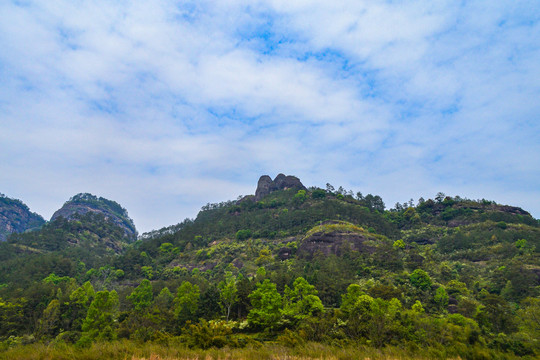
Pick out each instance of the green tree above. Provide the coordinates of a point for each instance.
(83, 294)
(49, 324)
(495, 314)
(349, 299)
(163, 310)
(228, 293)
(299, 197)
(266, 304)
(441, 298)
(142, 296)
(186, 302)
(148, 272)
(420, 279)
(245, 287)
(243, 234)
(399, 244)
(79, 301)
(302, 301)
(318, 194)
(11, 317)
(529, 316)
(100, 322)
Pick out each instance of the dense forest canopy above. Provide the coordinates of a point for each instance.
(443, 277)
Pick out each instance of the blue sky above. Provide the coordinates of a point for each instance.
(164, 106)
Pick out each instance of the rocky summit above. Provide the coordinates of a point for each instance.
(111, 210)
(266, 186)
(16, 217)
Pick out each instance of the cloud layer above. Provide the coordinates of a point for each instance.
(164, 106)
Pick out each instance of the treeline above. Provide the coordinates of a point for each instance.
(447, 277)
(240, 311)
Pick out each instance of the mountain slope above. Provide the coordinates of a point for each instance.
(111, 210)
(16, 217)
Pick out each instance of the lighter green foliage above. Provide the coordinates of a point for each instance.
(55, 279)
(100, 322)
(228, 293)
(148, 272)
(261, 272)
(441, 298)
(399, 244)
(348, 300)
(83, 294)
(142, 296)
(302, 301)
(417, 307)
(266, 304)
(186, 301)
(166, 247)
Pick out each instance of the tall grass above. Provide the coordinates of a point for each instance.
(129, 350)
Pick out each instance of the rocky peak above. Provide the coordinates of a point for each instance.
(265, 185)
(111, 210)
(16, 217)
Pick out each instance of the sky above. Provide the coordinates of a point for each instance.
(164, 106)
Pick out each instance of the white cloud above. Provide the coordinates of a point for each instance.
(152, 103)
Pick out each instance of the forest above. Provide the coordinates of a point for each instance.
(301, 273)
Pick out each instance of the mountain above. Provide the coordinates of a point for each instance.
(290, 264)
(16, 217)
(87, 203)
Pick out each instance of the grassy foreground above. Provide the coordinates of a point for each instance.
(129, 350)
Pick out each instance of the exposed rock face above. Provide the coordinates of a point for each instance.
(511, 210)
(265, 185)
(111, 210)
(285, 253)
(15, 217)
(336, 241)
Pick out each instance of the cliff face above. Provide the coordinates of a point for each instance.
(336, 238)
(266, 185)
(111, 210)
(15, 217)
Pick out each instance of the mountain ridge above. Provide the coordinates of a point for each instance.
(16, 217)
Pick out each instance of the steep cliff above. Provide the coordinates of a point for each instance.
(16, 217)
(111, 210)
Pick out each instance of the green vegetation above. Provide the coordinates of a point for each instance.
(16, 217)
(301, 273)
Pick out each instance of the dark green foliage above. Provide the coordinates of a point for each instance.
(420, 279)
(243, 234)
(100, 322)
(447, 278)
(318, 194)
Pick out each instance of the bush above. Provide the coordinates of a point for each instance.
(207, 334)
(243, 234)
(318, 194)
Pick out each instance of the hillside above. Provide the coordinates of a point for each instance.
(83, 203)
(16, 217)
(444, 277)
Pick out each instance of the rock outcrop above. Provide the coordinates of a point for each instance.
(16, 217)
(111, 210)
(266, 186)
(334, 238)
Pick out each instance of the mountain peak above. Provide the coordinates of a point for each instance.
(266, 185)
(16, 217)
(85, 202)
